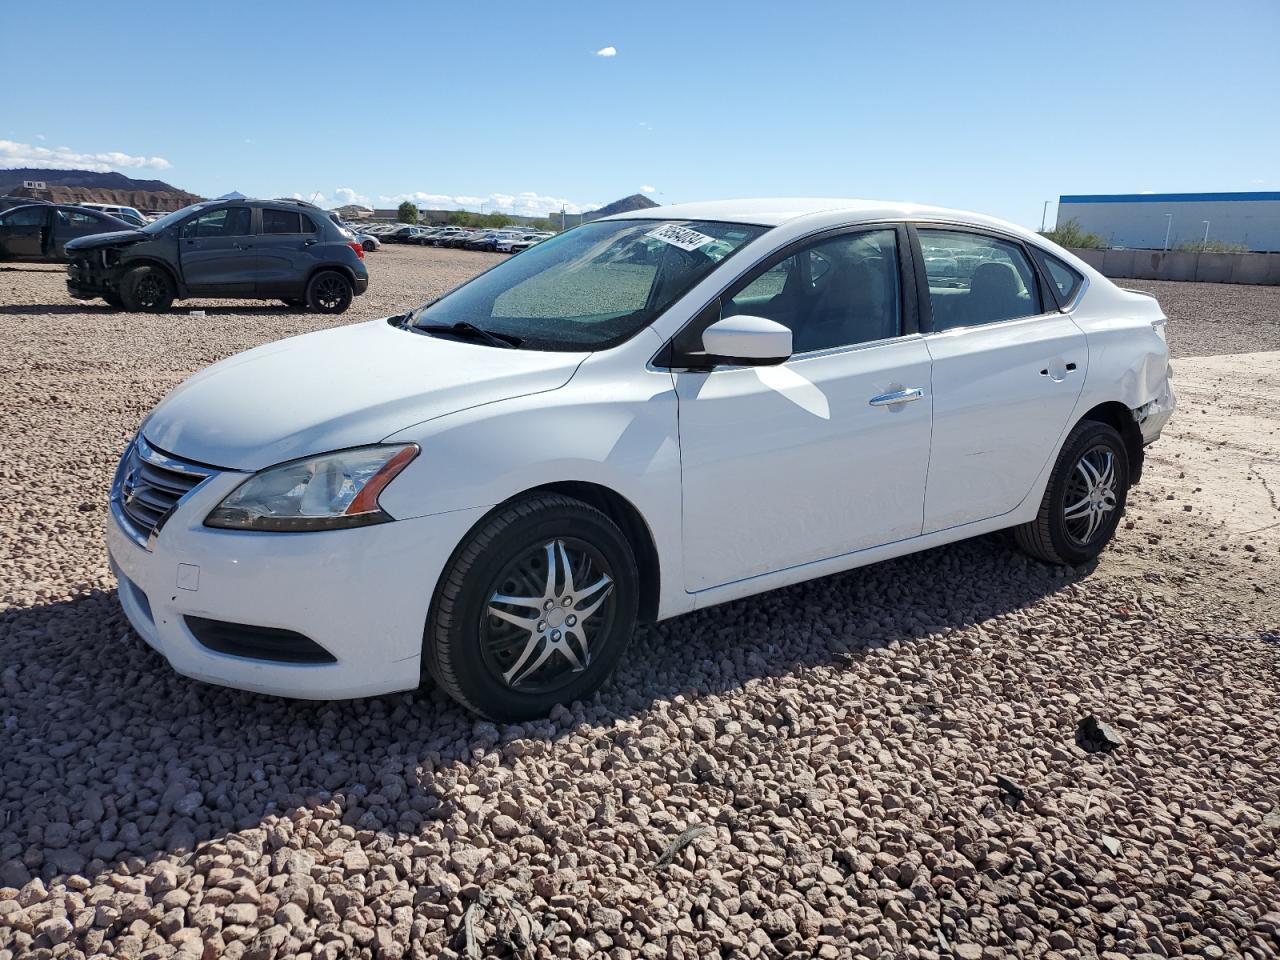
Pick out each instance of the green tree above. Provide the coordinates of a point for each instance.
(497, 220)
(1071, 234)
(463, 218)
(407, 212)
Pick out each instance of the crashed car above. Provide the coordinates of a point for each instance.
(258, 249)
(41, 231)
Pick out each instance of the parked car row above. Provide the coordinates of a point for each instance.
(505, 240)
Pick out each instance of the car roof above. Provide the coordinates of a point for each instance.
(773, 212)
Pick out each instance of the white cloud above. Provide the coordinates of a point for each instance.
(40, 136)
(13, 154)
(340, 197)
(526, 204)
(607, 52)
(645, 188)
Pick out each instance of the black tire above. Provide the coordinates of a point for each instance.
(368, 246)
(510, 672)
(329, 292)
(1079, 513)
(148, 289)
(296, 302)
(113, 300)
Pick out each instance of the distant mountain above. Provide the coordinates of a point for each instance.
(637, 201)
(91, 186)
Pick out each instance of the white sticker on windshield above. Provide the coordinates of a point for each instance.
(679, 236)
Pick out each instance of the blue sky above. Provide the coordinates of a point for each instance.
(994, 106)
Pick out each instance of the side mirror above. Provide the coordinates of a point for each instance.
(747, 341)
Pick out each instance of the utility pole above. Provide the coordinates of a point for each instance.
(1044, 213)
(1168, 228)
(1205, 242)
(562, 218)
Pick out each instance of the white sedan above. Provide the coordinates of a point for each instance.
(646, 415)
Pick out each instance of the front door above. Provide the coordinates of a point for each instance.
(25, 231)
(827, 453)
(216, 250)
(1008, 368)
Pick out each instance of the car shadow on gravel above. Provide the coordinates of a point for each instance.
(109, 758)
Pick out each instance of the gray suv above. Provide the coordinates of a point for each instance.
(262, 249)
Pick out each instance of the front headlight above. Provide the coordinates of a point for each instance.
(327, 492)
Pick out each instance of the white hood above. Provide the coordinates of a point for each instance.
(339, 388)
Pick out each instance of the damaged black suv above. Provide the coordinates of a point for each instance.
(262, 249)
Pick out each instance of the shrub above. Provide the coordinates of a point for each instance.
(1071, 234)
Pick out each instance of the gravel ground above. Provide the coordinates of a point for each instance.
(885, 763)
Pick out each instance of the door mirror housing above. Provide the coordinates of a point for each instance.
(747, 341)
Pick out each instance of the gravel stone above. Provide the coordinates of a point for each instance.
(836, 742)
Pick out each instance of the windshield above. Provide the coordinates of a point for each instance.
(169, 219)
(592, 287)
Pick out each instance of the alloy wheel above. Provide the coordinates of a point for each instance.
(330, 292)
(1091, 495)
(544, 612)
(150, 291)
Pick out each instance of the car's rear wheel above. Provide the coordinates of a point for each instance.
(147, 288)
(535, 608)
(329, 292)
(1084, 500)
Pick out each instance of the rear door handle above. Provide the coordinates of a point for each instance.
(896, 397)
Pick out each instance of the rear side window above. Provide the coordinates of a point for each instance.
(1064, 278)
(976, 279)
(281, 221)
(76, 218)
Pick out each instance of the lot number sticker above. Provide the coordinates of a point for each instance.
(681, 237)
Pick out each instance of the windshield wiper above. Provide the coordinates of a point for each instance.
(464, 330)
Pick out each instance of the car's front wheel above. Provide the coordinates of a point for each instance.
(147, 288)
(534, 609)
(1084, 500)
(329, 292)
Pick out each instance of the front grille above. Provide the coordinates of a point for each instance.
(151, 483)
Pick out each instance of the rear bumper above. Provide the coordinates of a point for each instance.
(361, 284)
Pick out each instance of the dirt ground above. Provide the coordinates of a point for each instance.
(884, 763)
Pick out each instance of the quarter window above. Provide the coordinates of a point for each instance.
(837, 292)
(1063, 277)
(976, 279)
(224, 222)
(281, 221)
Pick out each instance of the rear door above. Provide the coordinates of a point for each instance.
(216, 250)
(72, 222)
(287, 244)
(1008, 367)
(23, 231)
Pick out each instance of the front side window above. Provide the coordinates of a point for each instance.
(24, 217)
(281, 221)
(224, 222)
(837, 292)
(976, 279)
(591, 287)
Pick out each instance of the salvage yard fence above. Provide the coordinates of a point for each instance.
(1257, 268)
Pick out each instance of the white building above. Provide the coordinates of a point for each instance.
(1159, 221)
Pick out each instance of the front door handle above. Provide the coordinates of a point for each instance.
(896, 397)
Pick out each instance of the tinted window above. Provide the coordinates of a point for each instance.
(834, 293)
(281, 221)
(76, 218)
(975, 279)
(25, 217)
(226, 222)
(1063, 277)
(308, 225)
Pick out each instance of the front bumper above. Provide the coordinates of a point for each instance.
(87, 278)
(361, 594)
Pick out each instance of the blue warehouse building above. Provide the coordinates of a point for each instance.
(1156, 221)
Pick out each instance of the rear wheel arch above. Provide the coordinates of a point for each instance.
(1116, 415)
